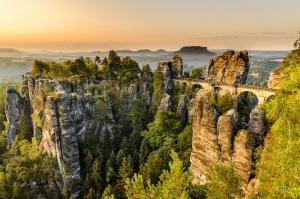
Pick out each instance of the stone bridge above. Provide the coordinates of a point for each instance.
(262, 93)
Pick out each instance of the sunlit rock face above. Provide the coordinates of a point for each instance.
(277, 74)
(219, 139)
(231, 67)
(177, 66)
(205, 150)
(275, 77)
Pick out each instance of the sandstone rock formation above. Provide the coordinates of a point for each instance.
(275, 77)
(13, 110)
(220, 139)
(232, 67)
(205, 151)
(64, 114)
(277, 74)
(257, 125)
(177, 66)
(182, 111)
(69, 118)
(242, 154)
(227, 127)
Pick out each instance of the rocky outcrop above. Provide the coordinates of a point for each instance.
(166, 103)
(277, 74)
(205, 150)
(257, 125)
(242, 154)
(231, 67)
(220, 139)
(64, 114)
(177, 66)
(182, 111)
(13, 110)
(275, 77)
(227, 127)
(69, 119)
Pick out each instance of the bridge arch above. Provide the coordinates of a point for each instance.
(246, 101)
(194, 89)
(269, 98)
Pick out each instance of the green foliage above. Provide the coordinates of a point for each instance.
(156, 162)
(81, 66)
(3, 142)
(223, 182)
(146, 69)
(2, 105)
(23, 165)
(111, 65)
(184, 144)
(139, 115)
(158, 86)
(279, 168)
(197, 191)
(223, 102)
(128, 72)
(164, 127)
(196, 73)
(37, 120)
(172, 184)
(24, 131)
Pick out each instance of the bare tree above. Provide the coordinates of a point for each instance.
(297, 42)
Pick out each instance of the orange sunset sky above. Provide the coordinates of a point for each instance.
(73, 25)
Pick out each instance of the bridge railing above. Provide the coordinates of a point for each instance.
(254, 87)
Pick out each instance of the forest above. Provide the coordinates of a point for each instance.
(148, 155)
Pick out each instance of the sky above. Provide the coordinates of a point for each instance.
(85, 25)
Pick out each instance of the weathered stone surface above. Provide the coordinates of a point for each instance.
(205, 150)
(69, 118)
(177, 66)
(227, 128)
(182, 111)
(257, 125)
(275, 77)
(231, 67)
(219, 139)
(242, 154)
(13, 110)
(166, 103)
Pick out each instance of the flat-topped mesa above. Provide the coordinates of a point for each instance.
(231, 67)
(195, 50)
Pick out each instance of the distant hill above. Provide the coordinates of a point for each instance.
(195, 50)
(9, 51)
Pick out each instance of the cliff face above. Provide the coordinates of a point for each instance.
(224, 138)
(231, 67)
(277, 74)
(219, 139)
(13, 109)
(63, 114)
(205, 151)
